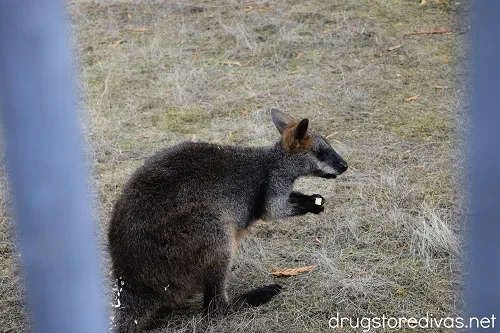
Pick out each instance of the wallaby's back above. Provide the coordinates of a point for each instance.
(231, 178)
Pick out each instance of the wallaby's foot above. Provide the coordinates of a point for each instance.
(304, 204)
(257, 296)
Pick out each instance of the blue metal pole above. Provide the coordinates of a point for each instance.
(484, 250)
(46, 168)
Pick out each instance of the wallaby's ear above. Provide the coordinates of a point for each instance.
(301, 129)
(281, 120)
(295, 137)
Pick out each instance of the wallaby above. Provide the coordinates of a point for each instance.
(176, 227)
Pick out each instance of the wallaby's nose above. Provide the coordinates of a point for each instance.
(343, 166)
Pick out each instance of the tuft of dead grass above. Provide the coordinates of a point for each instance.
(390, 240)
(433, 236)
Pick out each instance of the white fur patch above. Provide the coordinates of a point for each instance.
(326, 168)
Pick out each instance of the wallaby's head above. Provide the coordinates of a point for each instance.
(297, 140)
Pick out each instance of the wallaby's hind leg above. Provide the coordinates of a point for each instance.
(216, 272)
(215, 296)
(215, 299)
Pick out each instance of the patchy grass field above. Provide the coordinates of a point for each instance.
(389, 242)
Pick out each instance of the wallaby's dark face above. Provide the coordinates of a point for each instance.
(330, 163)
(303, 143)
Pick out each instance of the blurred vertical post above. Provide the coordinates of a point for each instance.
(46, 168)
(484, 250)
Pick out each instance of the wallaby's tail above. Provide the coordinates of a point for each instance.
(256, 297)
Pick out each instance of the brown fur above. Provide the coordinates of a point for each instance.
(291, 144)
(238, 235)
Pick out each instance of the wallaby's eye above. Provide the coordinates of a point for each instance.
(321, 155)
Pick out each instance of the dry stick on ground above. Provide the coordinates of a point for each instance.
(292, 271)
(394, 47)
(441, 31)
(412, 98)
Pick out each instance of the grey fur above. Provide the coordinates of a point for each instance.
(175, 227)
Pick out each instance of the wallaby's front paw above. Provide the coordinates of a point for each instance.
(318, 199)
(303, 203)
(316, 204)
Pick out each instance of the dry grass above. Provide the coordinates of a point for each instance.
(390, 240)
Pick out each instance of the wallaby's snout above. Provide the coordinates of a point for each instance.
(329, 164)
(302, 143)
(343, 166)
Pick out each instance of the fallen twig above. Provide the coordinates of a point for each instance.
(441, 31)
(412, 98)
(394, 47)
